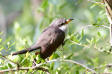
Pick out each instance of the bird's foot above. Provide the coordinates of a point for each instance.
(34, 62)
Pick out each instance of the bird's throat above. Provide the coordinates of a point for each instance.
(63, 28)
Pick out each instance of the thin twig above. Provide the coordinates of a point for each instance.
(96, 2)
(8, 59)
(104, 26)
(80, 44)
(101, 66)
(88, 26)
(96, 26)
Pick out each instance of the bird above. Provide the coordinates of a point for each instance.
(50, 39)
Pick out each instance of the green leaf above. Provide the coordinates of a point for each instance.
(54, 55)
(27, 54)
(15, 58)
(52, 65)
(99, 34)
(89, 41)
(0, 40)
(75, 38)
(4, 67)
(30, 70)
(1, 33)
(9, 65)
(8, 43)
(1, 48)
(92, 6)
(69, 56)
(82, 33)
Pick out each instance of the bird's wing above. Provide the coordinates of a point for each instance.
(51, 35)
(50, 40)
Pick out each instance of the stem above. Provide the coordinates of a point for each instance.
(111, 35)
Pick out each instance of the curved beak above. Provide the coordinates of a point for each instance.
(68, 20)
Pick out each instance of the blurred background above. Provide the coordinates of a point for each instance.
(22, 21)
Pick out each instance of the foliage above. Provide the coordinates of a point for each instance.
(87, 41)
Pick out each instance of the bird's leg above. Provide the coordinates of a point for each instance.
(34, 61)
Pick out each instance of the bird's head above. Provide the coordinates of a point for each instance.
(61, 22)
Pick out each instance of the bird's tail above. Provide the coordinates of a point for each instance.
(25, 51)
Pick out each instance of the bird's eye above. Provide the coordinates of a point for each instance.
(62, 23)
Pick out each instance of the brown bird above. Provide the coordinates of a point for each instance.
(50, 39)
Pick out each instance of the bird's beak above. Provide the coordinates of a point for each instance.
(68, 20)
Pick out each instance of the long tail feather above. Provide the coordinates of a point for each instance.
(25, 51)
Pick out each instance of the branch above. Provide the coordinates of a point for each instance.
(108, 7)
(84, 66)
(55, 60)
(74, 62)
(25, 68)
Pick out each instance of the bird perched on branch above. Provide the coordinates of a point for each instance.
(50, 39)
